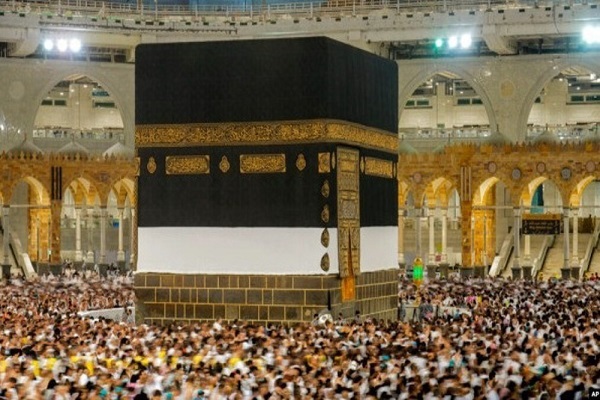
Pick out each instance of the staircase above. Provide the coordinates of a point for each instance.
(14, 268)
(595, 263)
(554, 260)
(536, 245)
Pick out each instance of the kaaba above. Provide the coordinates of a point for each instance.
(267, 186)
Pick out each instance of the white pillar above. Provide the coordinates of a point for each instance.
(78, 253)
(90, 220)
(419, 236)
(401, 259)
(473, 253)
(444, 256)
(566, 236)
(517, 233)
(120, 252)
(6, 228)
(484, 259)
(575, 252)
(431, 255)
(37, 239)
(527, 255)
(103, 216)
(132, 237)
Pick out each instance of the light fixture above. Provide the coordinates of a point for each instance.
(439, 43)
(48, 45)
(453, 42)
(591, 34)
(75, 45)
(465, 41)
(62, 45)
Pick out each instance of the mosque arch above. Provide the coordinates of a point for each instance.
(39, 190)
(585, 197)
(490, 222)
(124, 189)
(542, 195)
(88, 108)
(439, 122)
(555, 84)
(30, 216)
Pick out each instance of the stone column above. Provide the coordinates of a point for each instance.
(103, 217)
(38, 256)
(418, 230)
(401, 259)
(5, 241)
(575, 251)
(516, 268)
(566, 270)
(444, 255)
(431, 254)
(527, 264)
(89, 258)
(132, 238)
(120, 252)
(575, 262)
(78, 253)
(468, 244)
(527, 253)
(55, 257)
(443, 267)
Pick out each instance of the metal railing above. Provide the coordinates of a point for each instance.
(538, 263)
(75, 8)
(68, 133)
(568, 132)
(589, 252)
(500, 262)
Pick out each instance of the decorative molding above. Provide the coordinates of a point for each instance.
(333, 160)
(325, 190)
(300, 162)
(262, 163)
(138, 163)
(325, 238)
(187, 165)
(325, 262)
(362, 165)
(379, 167)
(590, 166)
(324, 163)
(349, 209)
(224, 165)
(312, 131)
(348, 206)
(151, 165)
(325, 214)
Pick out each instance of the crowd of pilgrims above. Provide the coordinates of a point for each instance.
(519, 340)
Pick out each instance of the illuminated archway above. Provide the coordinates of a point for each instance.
(566, 103)
(489, 221)
(30, 217)
(444, 104)
(79, 107)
